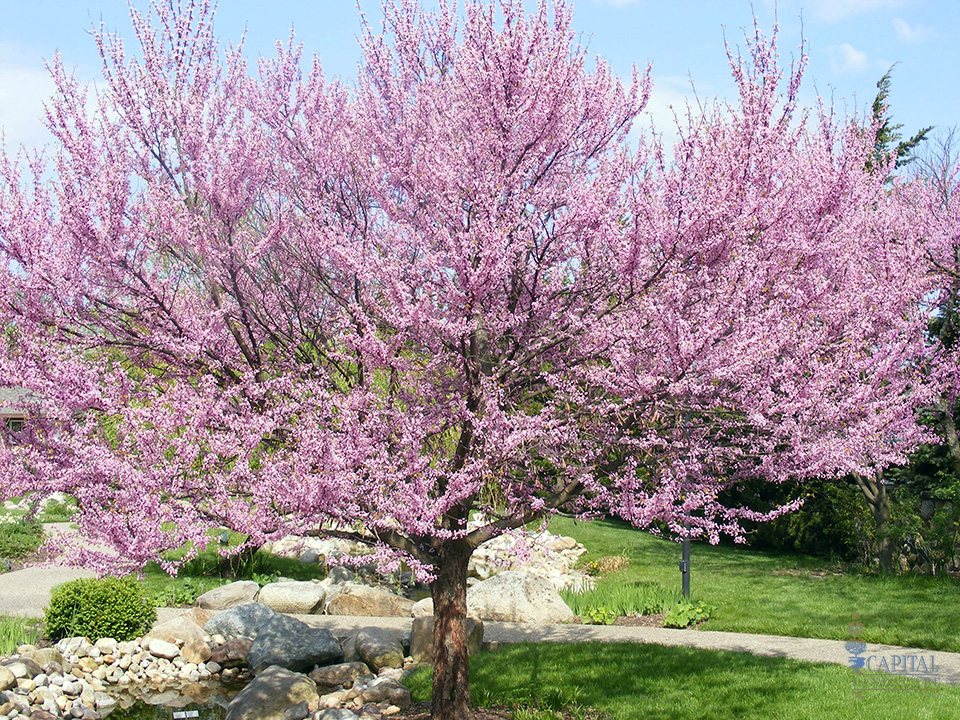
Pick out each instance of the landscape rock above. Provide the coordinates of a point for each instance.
(271, 693)
(369, 602)
(388, 690)
(286, 642)
(162, 649)
(293, 598)
(332, 676)
(422, 642)
(422, 608)
(240, 621)
(195, 651)
(516, 596)
(7, 678)
(379, 648)
(180, 628)
(232, 654)
(337, 714)
(229, 595)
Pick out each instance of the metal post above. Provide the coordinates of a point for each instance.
(685, 567)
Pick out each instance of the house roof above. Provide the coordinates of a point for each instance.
(12, 400)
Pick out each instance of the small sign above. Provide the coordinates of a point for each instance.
(184, 714)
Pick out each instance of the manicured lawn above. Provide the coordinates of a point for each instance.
(634, 682)
(781, 594)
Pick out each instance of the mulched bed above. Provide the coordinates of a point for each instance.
(633, 620)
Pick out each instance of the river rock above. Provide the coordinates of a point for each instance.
(369, 602)
(422, 642)
(229, 595)
(293, 598)
(240, 621)
(379, 648)
(162, 649)
(269, 695)
(516, 596)
(286, 642)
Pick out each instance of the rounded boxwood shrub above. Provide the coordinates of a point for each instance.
(99, 608)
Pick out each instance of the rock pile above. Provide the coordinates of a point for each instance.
(549, 556)
(294, 671)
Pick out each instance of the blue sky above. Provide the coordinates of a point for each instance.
(851, 44)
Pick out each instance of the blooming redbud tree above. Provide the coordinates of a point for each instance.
(273, 303)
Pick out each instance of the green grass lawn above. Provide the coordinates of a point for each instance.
(781, 594)
(633, 682)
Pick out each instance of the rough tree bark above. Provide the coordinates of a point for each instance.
(451, 670)
(875, 492)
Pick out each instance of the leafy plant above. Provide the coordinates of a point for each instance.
(57, 511)
(98, 608)
(16, 631)
(19, 538)
(640, 598)
(686, 613)
(600, 616)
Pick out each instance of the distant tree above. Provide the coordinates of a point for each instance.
(279, 305)
(887, 139)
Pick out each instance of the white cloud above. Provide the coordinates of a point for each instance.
(845, 59)
(911, 35)
(23, 91)
(836, 10)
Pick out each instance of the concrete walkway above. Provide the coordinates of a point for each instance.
(945, 665)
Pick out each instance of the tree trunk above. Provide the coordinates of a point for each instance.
(451, 669)
(875, 493)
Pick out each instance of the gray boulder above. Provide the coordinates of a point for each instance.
(229, 595)
(421, 638)
(293, 598)
(240, 621)
(384, 689)
(379, 648)
(286, 642)
(271, 693)
(337, 714)
(516, 596)
(369, 602)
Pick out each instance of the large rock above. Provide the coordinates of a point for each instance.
(379, 648)
(229, 595)
(342, 674)
(240, 621)
(422, 608)
(421, 638)
(515, 596)
(233, 653)
(293, 598)
(269, 695)
(368, 601)
(289, 643)
(176, 628)
(387, 690)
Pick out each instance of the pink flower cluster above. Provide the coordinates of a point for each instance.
(266, 301)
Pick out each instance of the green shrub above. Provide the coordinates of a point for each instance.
(686, 613)
(98, 608)
(19, 538)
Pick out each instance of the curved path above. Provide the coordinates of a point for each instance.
(946, 665)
